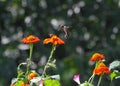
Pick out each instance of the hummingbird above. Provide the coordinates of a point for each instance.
(65, 30)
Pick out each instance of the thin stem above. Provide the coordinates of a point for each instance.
(31, 50)
(91, 78)
(97, 62)
(29, 59)
(49, 59)
(18, 68)
(99, 80)
(19, 71)
(93, 75)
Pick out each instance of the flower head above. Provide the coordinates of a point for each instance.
(53, 39)
(76, 78)
(12, 85)
(32, 75)
(97, 57)
(27, 85)
(41, 83)
(21, 83)
(30, 39)
(101, 69)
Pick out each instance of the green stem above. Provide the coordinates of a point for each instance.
(99, 80)
(31, 50)
(18, 68)
(93, 75)
(49, 59)
(97, 62)
(29, 59)
(91, 78)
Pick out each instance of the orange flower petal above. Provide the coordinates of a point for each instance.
(32, 75)
(97, 71)
(97, 57)
(60, 41)
(30, 39)
(12, 85)
(101, 69)
(47, 40)
(22, 84)
(53, 39)
(101, 64)
(27, 85)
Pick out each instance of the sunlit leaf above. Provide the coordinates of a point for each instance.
(115, 75)
(20, 74)
(114, 64)
(18, 83)
(35, 80)
(51, 65)
(55, 77)
(14, 80)
(112, 75)
(51, 82)
(86, 84)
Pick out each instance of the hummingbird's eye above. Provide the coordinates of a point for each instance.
(62, 26)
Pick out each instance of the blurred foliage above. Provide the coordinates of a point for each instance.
(95, 28)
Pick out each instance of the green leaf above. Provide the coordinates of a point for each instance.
(14, 80)
(112, 75)
(57, 77)
(117, 77)
(51, 65)
(18, 83)
(20, 74)
(86, 84)
(114, 64)
(51, 82)
(35, 81)
(115, 74)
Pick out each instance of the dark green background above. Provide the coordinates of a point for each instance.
(95, 28)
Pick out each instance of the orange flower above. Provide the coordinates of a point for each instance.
(22, 84)
(12, 85)
(53, 39)
(97, 57)
(27, 85)
(32, 75)
(30, 39)
(101, 69)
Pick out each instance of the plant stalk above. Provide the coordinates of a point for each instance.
(29, 59)
(99, 81)
(49, 59)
